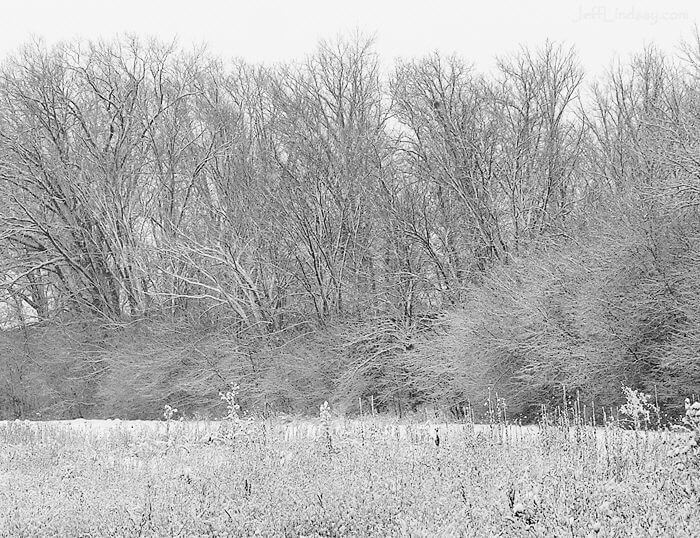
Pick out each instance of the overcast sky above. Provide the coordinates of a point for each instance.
(270, 31)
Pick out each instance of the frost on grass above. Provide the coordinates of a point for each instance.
(608, 481)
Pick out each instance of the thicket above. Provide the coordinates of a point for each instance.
(171, 224)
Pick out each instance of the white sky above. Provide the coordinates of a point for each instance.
(269, 31)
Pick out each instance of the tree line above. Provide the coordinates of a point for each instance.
(332, 228)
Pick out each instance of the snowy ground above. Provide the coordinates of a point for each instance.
(294, 429)
(289, 430)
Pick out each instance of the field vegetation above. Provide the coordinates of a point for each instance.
(331, 476)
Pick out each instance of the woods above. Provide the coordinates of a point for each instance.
(342, 229)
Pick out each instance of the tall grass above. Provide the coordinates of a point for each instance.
(334, 476)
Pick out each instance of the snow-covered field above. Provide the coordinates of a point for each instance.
(286, 429)
(378, 477)
(289, 430)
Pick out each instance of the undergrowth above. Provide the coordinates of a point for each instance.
(333, 476)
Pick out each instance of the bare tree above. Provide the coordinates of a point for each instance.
(329, 149)
(77, 131)
(537, 101)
